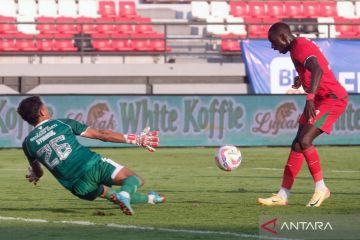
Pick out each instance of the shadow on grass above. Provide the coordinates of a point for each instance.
(54, 210)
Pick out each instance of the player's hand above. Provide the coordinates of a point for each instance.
(31, 177)
(149, 140)
(146, 139)
(297, 82)
(310, 112)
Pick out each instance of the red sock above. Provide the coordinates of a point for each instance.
(313, 161)
(292, 168)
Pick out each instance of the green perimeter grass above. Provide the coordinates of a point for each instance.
(199, 195)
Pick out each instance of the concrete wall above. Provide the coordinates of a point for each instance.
(210, 78)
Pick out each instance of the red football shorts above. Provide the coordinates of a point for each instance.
(328, 111)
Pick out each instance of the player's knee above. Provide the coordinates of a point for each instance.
(142, 181)
(296, 146)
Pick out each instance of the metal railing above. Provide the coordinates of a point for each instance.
(199, 45)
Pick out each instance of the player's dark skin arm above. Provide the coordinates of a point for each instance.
(313, 66)
(104, 135)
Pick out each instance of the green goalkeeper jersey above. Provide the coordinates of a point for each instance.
(54, 144)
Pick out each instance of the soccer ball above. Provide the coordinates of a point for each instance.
(228, 158)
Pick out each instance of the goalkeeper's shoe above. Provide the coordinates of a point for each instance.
(318, 198)
(156, 198)
(123, 202)
(275, 200)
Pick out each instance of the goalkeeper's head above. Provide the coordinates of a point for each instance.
(33, 110)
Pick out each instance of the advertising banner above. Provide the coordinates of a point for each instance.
(263, 120)
(270, 72)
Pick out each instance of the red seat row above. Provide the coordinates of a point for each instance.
(65, 42)
(347, 28)
(41, 42)
(124, 42)
(283, 9)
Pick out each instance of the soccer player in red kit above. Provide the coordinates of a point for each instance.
(326, 100)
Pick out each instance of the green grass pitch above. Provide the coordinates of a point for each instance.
(203, 202)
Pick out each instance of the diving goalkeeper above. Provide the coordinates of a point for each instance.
(83, 172)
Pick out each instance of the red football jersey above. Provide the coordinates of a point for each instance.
(303, 48)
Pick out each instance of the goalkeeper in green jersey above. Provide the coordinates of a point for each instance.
(85, 173)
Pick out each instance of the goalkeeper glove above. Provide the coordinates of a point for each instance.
(146, 139)
(31, 177)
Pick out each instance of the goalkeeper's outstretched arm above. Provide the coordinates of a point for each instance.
(146, 139)
(104, 135)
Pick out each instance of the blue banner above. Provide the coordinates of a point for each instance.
(270, 120)
(272, 72)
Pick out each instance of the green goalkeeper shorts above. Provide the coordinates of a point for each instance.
(89, 186)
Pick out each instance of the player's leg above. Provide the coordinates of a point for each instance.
(291, 170)
(129, 182)
(306, 139)
(292, 167)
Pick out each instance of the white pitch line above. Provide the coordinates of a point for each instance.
(23, 219)
(134, 227)
(345, 171)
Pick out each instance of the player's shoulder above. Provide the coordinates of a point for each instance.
(65, 120)
(303, 41)
(71, 123)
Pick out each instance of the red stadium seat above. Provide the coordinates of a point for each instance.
(328, 8)
(45, 42)
(8, 25)
(7, 43)
(230, 43)
(107, 9)
(293, 9)
(254, 27)
(144, 28)
(356, 27)
(141, 42)
(87, 25)
(345, 30)
(239, 9)
(64, 42)
(101, 42)
(311, 9)
(66, 26)
(157, 42)
(257, 9)
(275, 9)
(108, 28)
(126, 28)
(121, 42)
(46, 25)
(127, 9)
(25, 42)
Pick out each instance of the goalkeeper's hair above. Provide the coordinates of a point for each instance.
(29, 109)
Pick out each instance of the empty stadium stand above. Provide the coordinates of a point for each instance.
(111, 17)
(169, 33)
